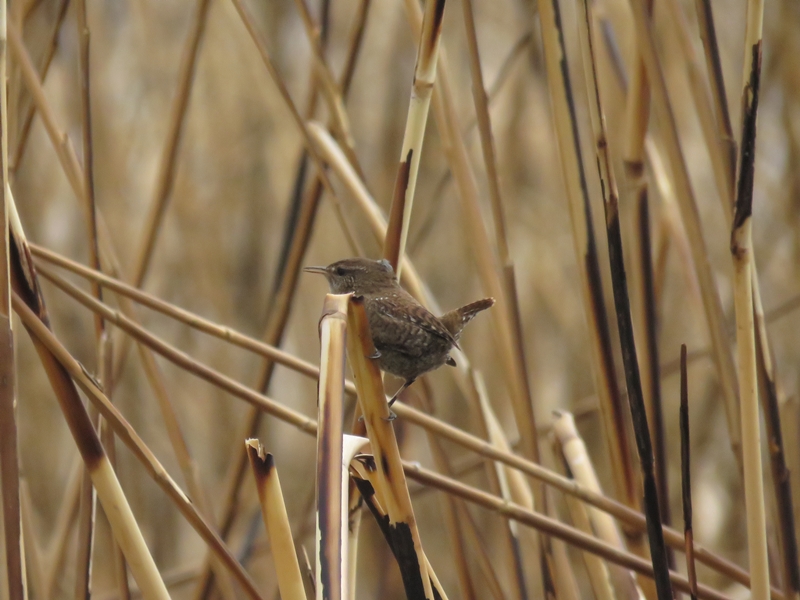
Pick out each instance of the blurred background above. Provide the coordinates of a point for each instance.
(219, 248)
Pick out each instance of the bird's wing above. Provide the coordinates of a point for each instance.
(396, 322)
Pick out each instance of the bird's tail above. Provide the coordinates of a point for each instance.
(456, 320)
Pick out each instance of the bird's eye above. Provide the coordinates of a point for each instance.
(340, 271)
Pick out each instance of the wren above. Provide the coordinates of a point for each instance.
(410, 341)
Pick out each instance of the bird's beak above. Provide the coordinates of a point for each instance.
(320, 270)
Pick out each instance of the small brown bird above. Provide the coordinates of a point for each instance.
(409, 339)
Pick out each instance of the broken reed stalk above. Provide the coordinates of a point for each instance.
(598, 571)
(418, 108)
(624, 320)
(574, 178)
(276, 520)
(742, 252)
(389, 477)
(632, 518)
(9, 451)
(331, 583)
(686, 477)
(581, 469)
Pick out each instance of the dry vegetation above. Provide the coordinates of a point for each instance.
(221, 246)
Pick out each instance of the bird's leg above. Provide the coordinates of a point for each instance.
(375, 355)
(401, 390)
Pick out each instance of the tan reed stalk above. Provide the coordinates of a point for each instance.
(88, 506)
(71, 368)
(279, 533)
(9, 452)
(633, 519)
(582, 470)
(266, 58)
(106, 359)
(508, 340)
(392, 488)
(686, 477)
(331, 552)
(741, 250)
(411, 152)
(30, 111)
(574, 177)
(111, 496)
(691, 221)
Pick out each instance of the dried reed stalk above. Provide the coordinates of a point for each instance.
(741, 250)
(9, 457)
(331, 553)
(411, 152)
(279, 533)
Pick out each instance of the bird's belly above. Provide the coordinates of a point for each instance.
(407, 367)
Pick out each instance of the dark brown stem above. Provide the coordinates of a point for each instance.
(686, 478)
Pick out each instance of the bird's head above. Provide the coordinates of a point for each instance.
(357, 275)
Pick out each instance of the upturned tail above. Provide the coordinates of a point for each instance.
(456, 320)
